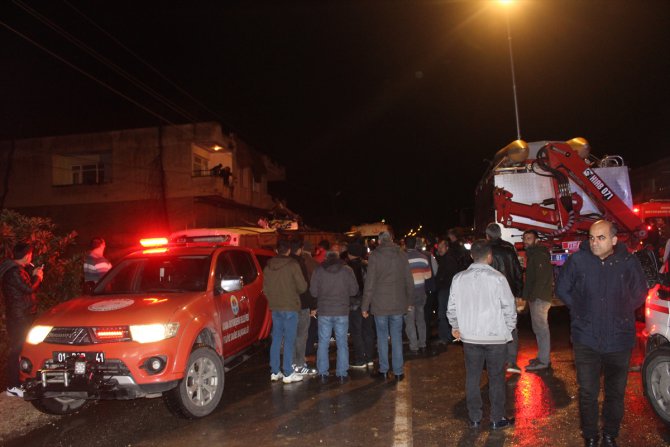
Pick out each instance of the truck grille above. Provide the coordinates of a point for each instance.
(69, 336)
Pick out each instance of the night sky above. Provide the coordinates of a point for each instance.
(377, 109)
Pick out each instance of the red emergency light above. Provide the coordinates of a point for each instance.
(153, 241)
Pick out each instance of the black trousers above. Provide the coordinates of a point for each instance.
(362, 336)
(614, 367)
(17, 329)
(494, 357)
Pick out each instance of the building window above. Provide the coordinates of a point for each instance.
(82, 169)
(200, 166)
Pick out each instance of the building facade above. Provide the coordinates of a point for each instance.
(127, 184)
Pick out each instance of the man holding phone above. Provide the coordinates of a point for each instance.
(18, 288)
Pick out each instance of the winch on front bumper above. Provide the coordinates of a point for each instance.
(81, 378)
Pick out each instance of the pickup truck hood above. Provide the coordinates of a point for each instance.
(116, 310)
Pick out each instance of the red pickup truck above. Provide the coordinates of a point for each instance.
(165, 320)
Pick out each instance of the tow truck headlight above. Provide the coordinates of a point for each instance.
(148, 333)
(37, 334)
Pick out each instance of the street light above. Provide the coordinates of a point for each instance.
(507, 4)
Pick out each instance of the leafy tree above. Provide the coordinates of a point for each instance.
(63, 272)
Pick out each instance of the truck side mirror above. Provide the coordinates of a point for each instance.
(229, 284)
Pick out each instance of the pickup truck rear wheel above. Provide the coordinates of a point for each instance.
(58, 405)
(201, 389)
(656, 381)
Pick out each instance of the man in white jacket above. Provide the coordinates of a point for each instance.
(482, 313)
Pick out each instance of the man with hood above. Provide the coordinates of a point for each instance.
(283, 282)
(388, 294)
(332, 284)
(538, 291)
(18, 288)
(602, 284)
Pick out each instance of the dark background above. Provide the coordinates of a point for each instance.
(377, 109)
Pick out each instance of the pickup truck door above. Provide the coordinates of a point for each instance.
(234, 308)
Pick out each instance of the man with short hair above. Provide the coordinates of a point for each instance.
(361, 329)
(537, 290)
(19, 285)
(307, 310)
(283, 282)
(388, 295)
(602, 284)
(482, 313)
(506, 261)
(95, 263)
(415, 321)
(447, 267)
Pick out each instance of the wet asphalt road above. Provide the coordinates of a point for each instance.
(426, 409)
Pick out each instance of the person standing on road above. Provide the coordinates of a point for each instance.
(332, 284)
(506, 261)
(388, 295)
(283, 283)
(361, 329)
(537, 290)
(602, 284)
(19, 284)
(482, 313)
(447, 267)
(415, 320)
(307, 309)
(95, 263)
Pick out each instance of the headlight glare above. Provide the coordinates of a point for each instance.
(148, 333)
(37, 334)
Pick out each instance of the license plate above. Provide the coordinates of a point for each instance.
(60, 356)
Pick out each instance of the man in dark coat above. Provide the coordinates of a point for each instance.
(602, 285)
(18, 288)
(388, 295)
(506, 261)
(538, 291)
(361, 329)
(447, 267)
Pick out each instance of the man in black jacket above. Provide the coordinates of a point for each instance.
(447, 263)
(602, 285)
(506, 261)
(18, 288)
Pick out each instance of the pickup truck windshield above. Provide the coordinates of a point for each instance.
(157, 274)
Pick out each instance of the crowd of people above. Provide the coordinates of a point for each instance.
(343, 290)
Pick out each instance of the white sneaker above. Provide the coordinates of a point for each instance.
(292, 378)
(15, 391)
(304, 370)
(275, 377)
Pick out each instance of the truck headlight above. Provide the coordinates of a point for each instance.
(37, 334)
(148, 333)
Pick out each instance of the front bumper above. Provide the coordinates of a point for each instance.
(108, 380)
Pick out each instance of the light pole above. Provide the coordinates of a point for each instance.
(507, 4)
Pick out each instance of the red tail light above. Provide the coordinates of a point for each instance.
(110, 334)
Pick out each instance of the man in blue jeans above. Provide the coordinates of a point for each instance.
(482, 314)
(283, 282)
(333, 282)
(602, 284)
(388, 294)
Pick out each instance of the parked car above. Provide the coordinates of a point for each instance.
(656, 366)
(164, 321)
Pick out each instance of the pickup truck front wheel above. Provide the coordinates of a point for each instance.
(58, 405)
(201, 389)
(656, 381)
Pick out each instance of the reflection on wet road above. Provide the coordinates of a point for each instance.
(427, 409)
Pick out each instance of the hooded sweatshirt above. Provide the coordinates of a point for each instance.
(332, 284)
(283, 283)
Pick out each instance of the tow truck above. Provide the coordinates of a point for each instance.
(558, 188)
